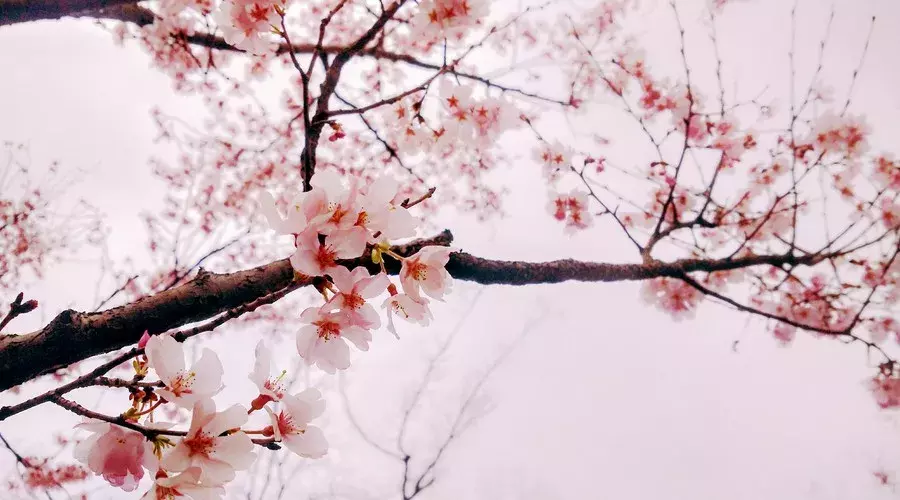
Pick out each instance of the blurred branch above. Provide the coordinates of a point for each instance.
(20, 11)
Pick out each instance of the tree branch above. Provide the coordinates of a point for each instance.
(74, 336)
(20, 11)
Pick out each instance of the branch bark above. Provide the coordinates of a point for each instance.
(20, 11)
(74, 336)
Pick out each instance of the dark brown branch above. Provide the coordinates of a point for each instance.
(74, 336)
(21, 11)
(77, 409)
(18, 308)
(89, 379)
(23, 357)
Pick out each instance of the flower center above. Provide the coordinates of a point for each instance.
(163, 493)
(418, 271)
(400, 309)
(182, 383)
(325, 256)
(328, 329)
(286, 425)
(338, 214)
(354, 301)
(201, 444)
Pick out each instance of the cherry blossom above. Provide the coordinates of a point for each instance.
(330, 206)
(118, 454)
(183, 387)
(451, 19)
(317, 259)
(205, 446)
(183, 485)
(672, 296)
(246, 24)
(354, 288)
(408, 308)
(270, 388)
(784, 333)
(884, 326)
(555, 159)
(293, 223)
(291, 424)
(886, 389)
(571, 208)
(322, 341)
(380, 214)
(424, 271)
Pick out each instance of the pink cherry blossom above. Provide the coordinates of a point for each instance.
(246, 24)
(205, 447)
(270, 388)
(354, 288)
(184, 485)
(183, 387)
(118, 454)
(784, 333)
(380, 214)
(425, 271)
(554, 158)
(313, 258)
(451, 19)
(673, 296)
(886, 390)
(291, 425)
(408, 308)
(322, 341)
(571, 208)
(884, 326)
(331, 206)
(293, 223)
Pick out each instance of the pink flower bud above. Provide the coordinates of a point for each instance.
(144, 338)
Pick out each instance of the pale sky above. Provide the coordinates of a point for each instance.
(606, 397)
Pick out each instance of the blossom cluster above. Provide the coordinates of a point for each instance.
(331, 224)
(461, 117)
(199, 462)
(248, 24)
(334, 222)
(448, 19)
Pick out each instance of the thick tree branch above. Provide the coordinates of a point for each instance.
(20, 11)
(74, 336)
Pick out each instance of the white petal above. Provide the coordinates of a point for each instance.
(310, 444)
(262, 367)
(382, 191)
(336, 352)
(165, 355)
(232, 418)
(214, 471)
(343, 278)
(306, 342)
(207, 374)
(373, 286)
(236, 449)
(313, 400)
(359, 336)
(330, 182)
(178, 459)
(348, 243)
(269, 210)
(304, 261)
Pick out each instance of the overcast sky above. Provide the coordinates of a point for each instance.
(605, 397)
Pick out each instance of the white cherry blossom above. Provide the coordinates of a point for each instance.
(182, 386)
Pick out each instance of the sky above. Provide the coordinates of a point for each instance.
(604, 397)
